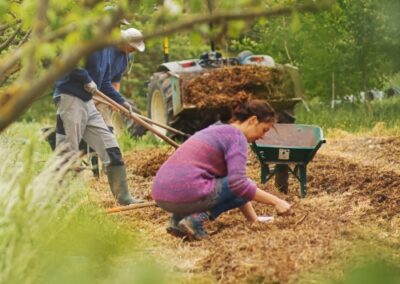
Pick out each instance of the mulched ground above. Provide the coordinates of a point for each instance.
(381, 152)
(353, 197)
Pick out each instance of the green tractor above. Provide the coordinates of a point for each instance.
(170, 90)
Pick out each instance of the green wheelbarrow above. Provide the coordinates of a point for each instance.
(294, 145)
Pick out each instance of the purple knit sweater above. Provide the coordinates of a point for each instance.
(190, 173)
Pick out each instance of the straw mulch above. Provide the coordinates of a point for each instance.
(348, 202)
(228, 85)
(146, 162)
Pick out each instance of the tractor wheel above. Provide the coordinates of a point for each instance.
(159, 104)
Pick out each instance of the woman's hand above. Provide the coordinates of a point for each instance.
(283, 208)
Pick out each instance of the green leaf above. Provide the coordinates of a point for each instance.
(47, 50)
(236, 28)
(148, 4)
(195, 6)
(87, 32)
(27, 13)
(196, 38)
(3, 9)
(71, 40)
(295, 24)
(262, 22)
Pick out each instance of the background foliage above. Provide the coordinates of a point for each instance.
(356, 41)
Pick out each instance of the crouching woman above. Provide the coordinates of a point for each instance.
(206, 175)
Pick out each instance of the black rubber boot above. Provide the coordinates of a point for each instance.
(95, 166)
(282, 178)
(119, 185)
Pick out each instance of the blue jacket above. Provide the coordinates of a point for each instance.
(119, 62)
(98, 69)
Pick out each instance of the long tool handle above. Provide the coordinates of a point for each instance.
(171, 129)
(130, 207)
(137, 119)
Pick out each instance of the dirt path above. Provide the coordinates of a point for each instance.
(354, 197)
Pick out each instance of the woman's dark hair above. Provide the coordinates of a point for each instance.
(246, 109)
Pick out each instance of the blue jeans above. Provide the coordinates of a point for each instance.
(220, 201)
(225, 199)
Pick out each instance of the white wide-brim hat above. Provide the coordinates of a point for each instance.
(131, 35)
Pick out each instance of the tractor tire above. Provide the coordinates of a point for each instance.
(160, 106)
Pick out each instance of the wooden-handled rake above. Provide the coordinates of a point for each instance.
(140, 119)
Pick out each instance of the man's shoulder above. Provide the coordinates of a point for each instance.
(97, 56)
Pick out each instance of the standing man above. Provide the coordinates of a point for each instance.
(78, 118)
(119, 58)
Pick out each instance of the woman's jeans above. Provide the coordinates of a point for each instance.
(221, 200)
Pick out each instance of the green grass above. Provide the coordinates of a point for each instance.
(41, 111)
(50, 229)
(371, 273)
(355, 118)
(127, 143)
(368, 261)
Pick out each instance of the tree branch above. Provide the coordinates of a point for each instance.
(285, 44)
(37, 31)
(11, 71)
(15, 67)
(15, 57)
(24, 39)
(3, 27)
(185, 25)
(18, 97)
(12, 60)
(248, 15)
(10, 39)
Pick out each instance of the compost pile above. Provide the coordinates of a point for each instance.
(146, 162)
(348, 201)
(230, 85)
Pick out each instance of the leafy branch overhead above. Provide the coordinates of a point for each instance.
(62, 36)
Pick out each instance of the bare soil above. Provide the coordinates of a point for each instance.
(353, 197)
